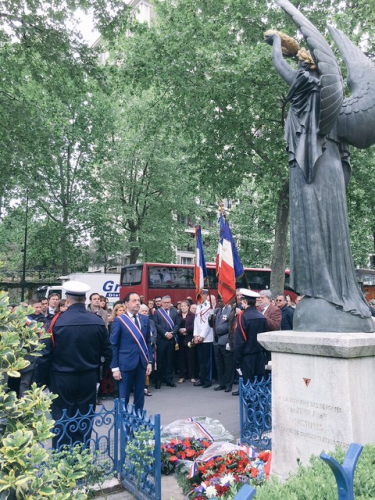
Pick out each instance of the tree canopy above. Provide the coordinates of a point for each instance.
(112, 157)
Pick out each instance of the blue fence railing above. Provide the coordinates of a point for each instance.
(140, 454)
(98, 430)
(255, 413)
(128, 444)
(111, 434)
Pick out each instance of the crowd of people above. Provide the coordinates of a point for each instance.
(174, 332)
(97, 351)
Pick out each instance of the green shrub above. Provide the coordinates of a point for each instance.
(27, 470)
(139, 457)
(317, 482)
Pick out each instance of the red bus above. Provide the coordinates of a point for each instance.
(366, 280)
(152, 280)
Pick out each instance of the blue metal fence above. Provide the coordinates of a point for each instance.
(99, 431)
(127, 443)
(115, 438)
(140, 453)
(255, 413)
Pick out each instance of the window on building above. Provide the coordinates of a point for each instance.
(187, 260)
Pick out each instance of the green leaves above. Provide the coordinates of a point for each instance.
(27, 469)
(316, 481)
(188, 108)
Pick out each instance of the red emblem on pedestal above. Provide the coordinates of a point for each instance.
(307, 381)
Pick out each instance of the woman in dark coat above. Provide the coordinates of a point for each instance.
(184, 330)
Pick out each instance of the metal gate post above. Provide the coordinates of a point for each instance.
(117, 436)
(157, 456)
(240, 385)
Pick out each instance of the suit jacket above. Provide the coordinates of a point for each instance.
(287, 318)
(126, 352)
(273, 317)
(162, 327)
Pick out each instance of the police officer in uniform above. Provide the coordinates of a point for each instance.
(250, 357)
(70, 362)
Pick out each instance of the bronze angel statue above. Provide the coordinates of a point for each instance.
(320, 126)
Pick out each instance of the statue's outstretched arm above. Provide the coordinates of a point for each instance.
(283, 68)
(331, 83)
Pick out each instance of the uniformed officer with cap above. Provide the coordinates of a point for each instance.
(250, 357)
(70, 362)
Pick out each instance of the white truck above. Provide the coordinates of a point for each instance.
(101, 283)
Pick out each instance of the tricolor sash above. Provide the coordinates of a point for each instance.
(204, 431)
(136, 333)
(167, 318)
(50, 329)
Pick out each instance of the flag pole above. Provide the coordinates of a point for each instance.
(200, 269)
(209, 292)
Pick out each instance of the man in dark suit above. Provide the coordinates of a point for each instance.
(286, 311)
(165, 318)
(132, 354)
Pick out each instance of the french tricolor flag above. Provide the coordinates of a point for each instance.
(228, 263)
(200, 270)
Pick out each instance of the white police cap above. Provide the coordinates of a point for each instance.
(248, 293)
(76, 288)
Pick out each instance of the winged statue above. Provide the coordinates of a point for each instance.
(320, 127)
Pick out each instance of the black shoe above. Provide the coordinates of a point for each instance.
(198, 384)
(235, 393)
(228, 389)
(219, 388)
(206, 386)
(98, 402)
(157, 385)
(171, 384)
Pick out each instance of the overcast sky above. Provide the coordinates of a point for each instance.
(86, 26)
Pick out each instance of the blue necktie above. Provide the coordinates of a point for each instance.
(136, 321)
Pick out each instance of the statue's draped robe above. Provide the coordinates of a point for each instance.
(321, 260)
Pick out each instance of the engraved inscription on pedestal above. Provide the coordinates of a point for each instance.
(312, 417)
(307, 419)
(322, 394)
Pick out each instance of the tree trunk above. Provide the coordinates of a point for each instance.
(64, 243)
(278, 263)
(134, 248)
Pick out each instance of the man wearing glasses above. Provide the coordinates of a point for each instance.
(286, 312)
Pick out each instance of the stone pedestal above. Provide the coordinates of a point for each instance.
(323, 393)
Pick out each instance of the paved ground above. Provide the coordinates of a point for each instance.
(182, 402)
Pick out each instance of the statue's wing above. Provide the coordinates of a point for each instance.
(332, 95)
(356, 122)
